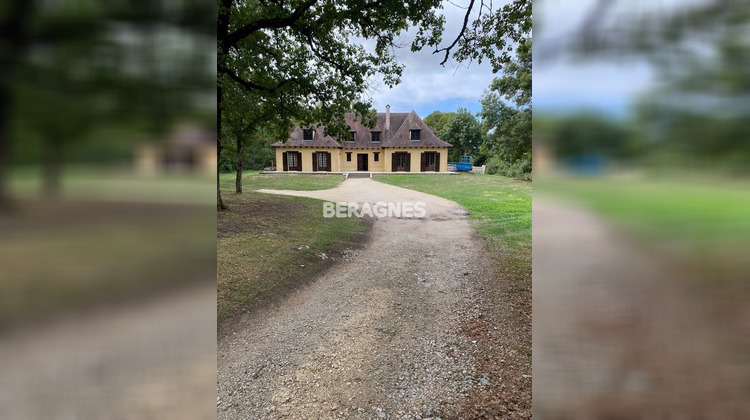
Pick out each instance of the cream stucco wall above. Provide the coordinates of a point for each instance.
(339, 163)
(416, 158)
(307, 158)
(372, 166)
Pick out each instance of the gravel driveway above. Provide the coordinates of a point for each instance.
(617, 331)
(376, 336)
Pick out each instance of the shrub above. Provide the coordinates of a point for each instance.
(520, 168)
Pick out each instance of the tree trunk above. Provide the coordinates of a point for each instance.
(52, 167)
(4, 148)
(222, 33)
(219, 202)
(238, 180)
(14, 30)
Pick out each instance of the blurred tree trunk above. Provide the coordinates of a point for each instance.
(238, 180)
(14, 28)
(4, 147)
(53, 162)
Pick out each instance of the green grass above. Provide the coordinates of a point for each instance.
(269, 245)
(500, 210)
(82, 182)
(695, 212)
(69, 255)
(253, 180)
(701, 225)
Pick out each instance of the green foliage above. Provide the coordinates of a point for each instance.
(464, 132)
(585, 134)
(256, 155)
(494, 34)
(519, 168)
(89, 77)
(296, 61)
(436, 120)
(508, 127)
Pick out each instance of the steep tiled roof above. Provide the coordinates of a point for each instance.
(319, 139)
(398, 135)
(402, 137)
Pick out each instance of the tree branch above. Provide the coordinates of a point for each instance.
(447, 49)
(270, 23)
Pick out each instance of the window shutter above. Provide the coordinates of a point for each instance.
(423, 162)
(437, 161)
(393, 162)
(408, 162)
(328, 162)
(315, 161)
(285, 167)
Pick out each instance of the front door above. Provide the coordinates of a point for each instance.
(292, 161)
(429, 162)
(400, 162)
(321, 161)
(362, 161)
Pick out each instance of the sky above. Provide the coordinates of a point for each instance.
(610, 85)
(560, 85)
(426, 86)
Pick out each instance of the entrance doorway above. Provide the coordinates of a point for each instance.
(362, 161)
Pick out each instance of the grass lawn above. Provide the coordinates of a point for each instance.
(500, 209)
(81, 182)
(253, 180)
(705, 223)
(268, 245)
(67, 255)
(695, 212)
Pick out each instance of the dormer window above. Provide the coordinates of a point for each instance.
(415, 135)
(307, 134)
(353, 136)
(376, 136)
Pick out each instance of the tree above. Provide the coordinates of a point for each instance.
(699, 53)
(492, 35)
(464, 132)
(298, 61)
(70, 66)
(508, 127)
(436, 120)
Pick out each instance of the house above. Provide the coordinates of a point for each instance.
(189, 149)
(399, 142)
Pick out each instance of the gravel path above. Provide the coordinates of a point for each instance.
(376, 336)
(617, 334)
(152, 359)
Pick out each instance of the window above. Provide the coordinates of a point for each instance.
(354, 136)
(348, 156)
(415, 134)
(376, 136)
(322, 160)
(292, 161)
(375, 156)
(401, 160)
(307, 134)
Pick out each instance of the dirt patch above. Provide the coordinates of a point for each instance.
(254, 214)
(270, 247)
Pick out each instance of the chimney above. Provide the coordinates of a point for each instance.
(387, 117)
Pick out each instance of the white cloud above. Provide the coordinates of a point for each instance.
(425, 82)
